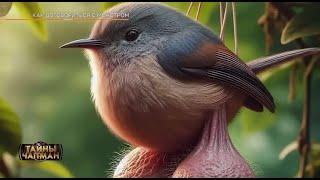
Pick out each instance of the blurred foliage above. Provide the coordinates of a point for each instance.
(49, 89)
(207, 8)
(295, 23)
(107, 5)
(313, 168)
(306, 23)
(250, 123)
(5, 8)
(10, 130)
(28, 10)
(53, 167)
(13, 166)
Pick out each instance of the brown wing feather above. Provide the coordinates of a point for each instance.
(229, 70)
(259, 93)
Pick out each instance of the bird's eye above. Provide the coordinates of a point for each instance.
(132, 35)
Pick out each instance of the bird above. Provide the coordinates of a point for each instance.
(160, 80)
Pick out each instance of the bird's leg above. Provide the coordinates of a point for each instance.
(215, 155)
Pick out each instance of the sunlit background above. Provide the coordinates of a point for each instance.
(48, 88)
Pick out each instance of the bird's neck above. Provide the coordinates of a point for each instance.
(215, 155)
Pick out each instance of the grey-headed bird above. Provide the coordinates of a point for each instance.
(168, 85)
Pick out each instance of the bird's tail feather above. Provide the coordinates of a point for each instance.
(261, 64)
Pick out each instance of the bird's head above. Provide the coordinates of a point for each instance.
(141, 33)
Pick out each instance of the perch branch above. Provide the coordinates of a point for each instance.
(304, 138)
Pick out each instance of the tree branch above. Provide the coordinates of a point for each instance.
(304, 138)
(304, 135)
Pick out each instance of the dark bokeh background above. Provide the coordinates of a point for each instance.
(48, 87)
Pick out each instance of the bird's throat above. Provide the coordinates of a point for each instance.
(215, 155)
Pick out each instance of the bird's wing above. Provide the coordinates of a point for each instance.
(200, 57)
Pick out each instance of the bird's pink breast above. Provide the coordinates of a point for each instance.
(213, 156)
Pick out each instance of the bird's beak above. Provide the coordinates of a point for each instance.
(84, 43)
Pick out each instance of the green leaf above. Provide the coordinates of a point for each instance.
(304, 24)
(10, 130)
(28, 10)
(288, 149)
(255, 121)
(52, 167)
(11, 164)
(5, 8)
(107, 5)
